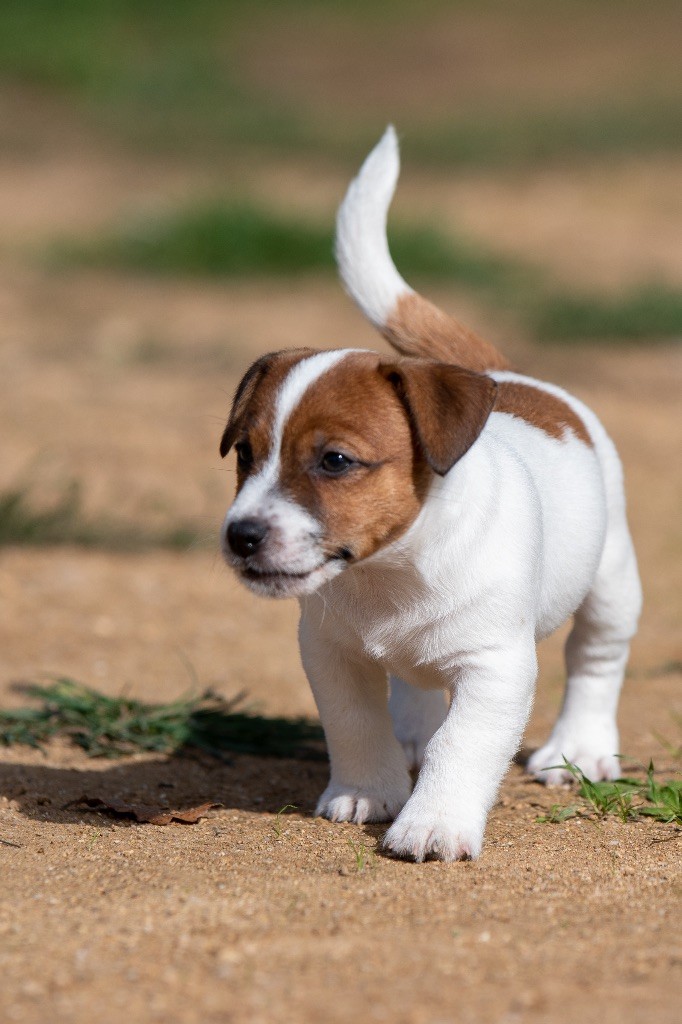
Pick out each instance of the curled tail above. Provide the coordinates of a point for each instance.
(410, 323)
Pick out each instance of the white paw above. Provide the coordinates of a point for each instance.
(346, 803)
(419, 834)
(593, 752)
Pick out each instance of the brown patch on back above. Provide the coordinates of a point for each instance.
(541, 409)
(418, 328)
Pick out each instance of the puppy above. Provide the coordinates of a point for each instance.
(436, 514)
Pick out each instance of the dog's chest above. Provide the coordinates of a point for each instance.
(394, 625)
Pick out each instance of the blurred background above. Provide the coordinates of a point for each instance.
(169, 174)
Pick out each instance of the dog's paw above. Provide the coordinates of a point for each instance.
(419, 835)
(594, 753)
(346, 803)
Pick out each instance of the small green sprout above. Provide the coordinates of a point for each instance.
(278, 824)
(557, 814)
(365, 858)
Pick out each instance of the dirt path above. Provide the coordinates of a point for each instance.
(227, 919)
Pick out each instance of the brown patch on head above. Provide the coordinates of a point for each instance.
(396, 422)
(253, 403)
(418, 328)
(541, 409)
(352, 409)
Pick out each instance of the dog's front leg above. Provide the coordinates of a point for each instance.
(467, 757)
(369, 778)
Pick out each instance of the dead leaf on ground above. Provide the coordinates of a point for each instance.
(143, 813)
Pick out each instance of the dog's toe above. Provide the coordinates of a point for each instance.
(594, 756)
(339, 803)
(420, 836)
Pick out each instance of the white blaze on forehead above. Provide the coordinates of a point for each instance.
(294, 386)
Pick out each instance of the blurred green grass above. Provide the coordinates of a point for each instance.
(223, 239)
(644, 312)
(181, 77)
(604, 131)
(172, 75)
(232, 239)
(25, 521)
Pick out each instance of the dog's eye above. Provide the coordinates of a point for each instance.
(335, 463)
(244, 455)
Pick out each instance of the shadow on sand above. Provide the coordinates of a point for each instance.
(48, 792)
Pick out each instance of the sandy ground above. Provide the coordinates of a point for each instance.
(123, 384)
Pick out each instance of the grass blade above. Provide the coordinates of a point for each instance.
(115, 726)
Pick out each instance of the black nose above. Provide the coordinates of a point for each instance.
(245, 535)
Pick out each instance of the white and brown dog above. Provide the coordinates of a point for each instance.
(436, 515)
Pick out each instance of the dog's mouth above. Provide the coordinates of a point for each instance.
(286, 583)
(263, 575)
(253, 572)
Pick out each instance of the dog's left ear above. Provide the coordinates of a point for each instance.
(447, 406)
(274, 364)
(242, 397)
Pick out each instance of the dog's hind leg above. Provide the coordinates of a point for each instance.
(416, 714)
(586, 733)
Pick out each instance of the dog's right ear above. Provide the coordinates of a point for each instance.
(447, 406)
(242, 396)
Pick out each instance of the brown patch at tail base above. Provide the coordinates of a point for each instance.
(418, 328)
(541, 409)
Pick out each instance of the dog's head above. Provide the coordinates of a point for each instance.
(335, 453)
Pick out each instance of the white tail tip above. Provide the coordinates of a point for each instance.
(362, 255)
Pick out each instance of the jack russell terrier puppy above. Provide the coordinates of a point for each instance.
(436, 514)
